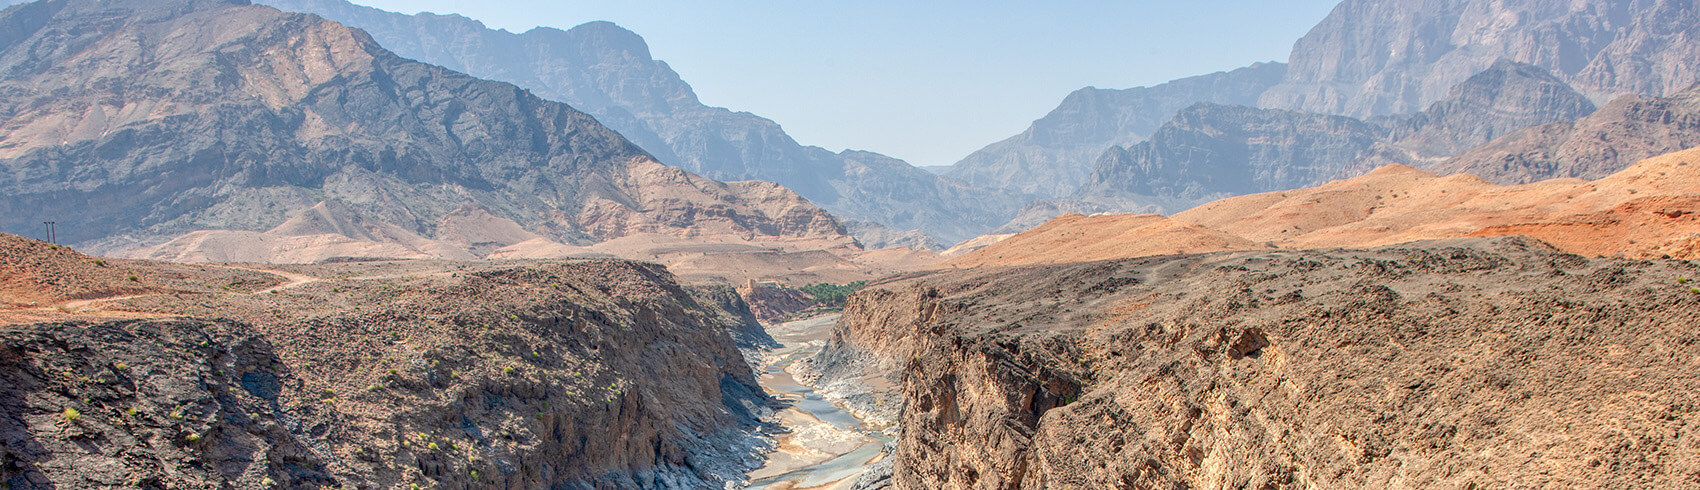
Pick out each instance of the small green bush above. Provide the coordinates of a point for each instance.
(832, 295)
(72, 415)
(1682, 280)
(192, 438)
(432, 446)
(130, 411)
(100, 263)
(509, 370)
(120, 366)
(134, 279)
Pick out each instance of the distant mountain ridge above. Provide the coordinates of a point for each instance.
(1212, 151)
(1626, 130)
(133, 123)
(1056, 153)
(1374, 59)
(607, 71)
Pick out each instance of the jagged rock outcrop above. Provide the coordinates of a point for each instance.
(608, 71)
(594, 374)
(1385, 57)
(130, 132)
(1055, 155)
(1626, 130)
(1379, 368)
(774, 303)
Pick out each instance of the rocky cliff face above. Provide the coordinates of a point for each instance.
(1626, 130)
(1055, 155)
(1381, 368)
(600, 374)
(608, 72)
(134, 122)
(1383, 57)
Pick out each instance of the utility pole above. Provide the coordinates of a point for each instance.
(52, 237)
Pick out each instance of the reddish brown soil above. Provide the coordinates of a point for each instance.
(1645, 211)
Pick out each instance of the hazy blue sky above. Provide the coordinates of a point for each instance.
(926, 81)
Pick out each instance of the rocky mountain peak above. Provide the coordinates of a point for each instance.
(608, 72)
(1505, 97)
(602, 38)
(239, 119)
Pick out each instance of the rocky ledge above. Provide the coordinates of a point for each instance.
(1457, 364)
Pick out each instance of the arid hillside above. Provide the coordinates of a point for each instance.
(1645, 211)
(1465, 363)
(372, 374)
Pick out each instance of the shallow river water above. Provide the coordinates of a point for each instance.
(827, 446)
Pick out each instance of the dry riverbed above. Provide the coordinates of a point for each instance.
(827, 447)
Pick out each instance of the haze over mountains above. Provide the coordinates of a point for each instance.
(384, 256)
(1162, 148)
(607, 71)
(1054, 155)
(253, 120)
(1378, 61)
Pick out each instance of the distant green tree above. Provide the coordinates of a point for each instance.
(832, 295)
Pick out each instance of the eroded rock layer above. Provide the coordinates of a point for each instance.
(590, 374)
(1455, 364)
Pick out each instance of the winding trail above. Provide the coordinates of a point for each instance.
(76, 307)
(292, 279)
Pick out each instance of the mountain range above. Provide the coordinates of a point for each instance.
(607, 71)
(1373, 60)
(167, 118)
(1054, 155)
(288, 161)
(1209, 151)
